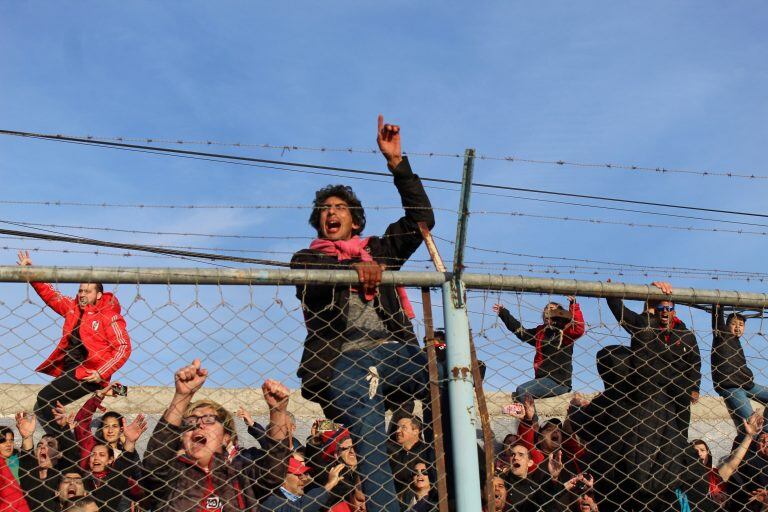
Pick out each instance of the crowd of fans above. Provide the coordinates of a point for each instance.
(626, 449)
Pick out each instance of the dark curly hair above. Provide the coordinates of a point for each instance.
(346, 194)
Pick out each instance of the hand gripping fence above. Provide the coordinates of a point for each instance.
(593, 394)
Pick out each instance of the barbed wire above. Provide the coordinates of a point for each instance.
(627, 224)
(60, 203)
(284, 148)
(590, 261)
(248, 161)
(565, 270)
(147, 206)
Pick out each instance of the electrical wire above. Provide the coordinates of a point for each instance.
(59, 237)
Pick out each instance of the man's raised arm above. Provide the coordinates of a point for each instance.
(52, 297)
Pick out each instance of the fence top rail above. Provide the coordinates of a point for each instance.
(492, 282)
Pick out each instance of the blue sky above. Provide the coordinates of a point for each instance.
(678, 85)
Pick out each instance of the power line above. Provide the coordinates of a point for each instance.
(59, 237)
(196, 154)
(559, 162)
(63, 237)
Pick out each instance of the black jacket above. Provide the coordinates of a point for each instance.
(554, 347)
(665, 369)
(729, 365)
(607, 427)
(537, 493)
(109, 490)
(41, 494)
(751, 475)
(325, 306)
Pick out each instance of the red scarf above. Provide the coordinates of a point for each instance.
(354, 248)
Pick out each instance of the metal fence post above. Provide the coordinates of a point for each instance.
(461, 391)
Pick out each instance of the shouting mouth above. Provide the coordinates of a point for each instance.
(332, 226)
(199, 441)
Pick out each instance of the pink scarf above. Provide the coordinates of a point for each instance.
(354, 248)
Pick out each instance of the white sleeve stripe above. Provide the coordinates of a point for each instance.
(123, 346)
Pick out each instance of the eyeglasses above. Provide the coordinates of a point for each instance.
(206, 419)
(336, 207)
(419, 472)
(665, 308)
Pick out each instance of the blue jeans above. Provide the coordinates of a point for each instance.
(402, 370)
(541, 388)
(737, 402)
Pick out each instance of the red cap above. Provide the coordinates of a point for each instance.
(331, 440)
(297, 467)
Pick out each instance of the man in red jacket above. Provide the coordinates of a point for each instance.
(93, 346)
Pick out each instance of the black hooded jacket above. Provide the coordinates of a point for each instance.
(664, 367)
(729, 364)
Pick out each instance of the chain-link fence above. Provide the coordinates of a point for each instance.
(582, 402)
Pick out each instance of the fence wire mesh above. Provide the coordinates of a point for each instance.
(591, 406)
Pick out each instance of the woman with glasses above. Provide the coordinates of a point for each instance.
(420, 495)
(205, 476)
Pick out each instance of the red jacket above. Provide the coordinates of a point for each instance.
(11, 495)
(102, 331)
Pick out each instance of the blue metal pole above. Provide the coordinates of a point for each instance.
(461, 393)
(461, 390)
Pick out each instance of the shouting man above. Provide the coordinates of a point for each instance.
(360, 350)
(94, 345)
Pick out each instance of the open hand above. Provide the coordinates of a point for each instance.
(555, 464)
(60, 415)
(334, 476)
(133, 431)
(25, 424)
(23, 259)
